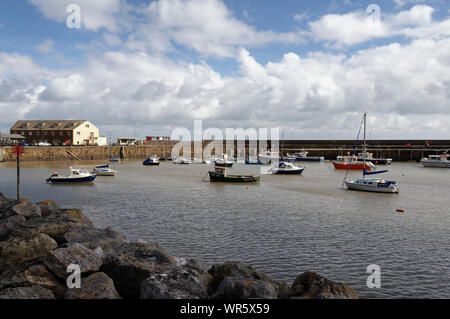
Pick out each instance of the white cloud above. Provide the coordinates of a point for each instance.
(206, 26)
(46, 47)
(94, 14)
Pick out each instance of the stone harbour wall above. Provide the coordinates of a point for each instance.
(38, 241)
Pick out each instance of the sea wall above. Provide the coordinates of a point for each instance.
(39, 242)
(400, 150)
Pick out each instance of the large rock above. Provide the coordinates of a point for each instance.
(58, 260)
(234, 280)
(54, 225)
(310, 285)
(97, 286)
(185, 281)
(7, 224)
(23, 207)
(93, 238)
(28, 275)
(131, 263)
(26, 247)
(35, 292)
(48, 207)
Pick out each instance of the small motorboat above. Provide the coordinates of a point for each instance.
(223, 162)
(269, 156)
(220, 175)
(181, 160)
(303, 157)
(377, 161)
(436, 161)
(201, 161)
(151, 161)
(103, 170)
(75, 175)
(286, 168)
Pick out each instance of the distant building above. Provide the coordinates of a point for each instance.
(124, 141)
(58, 132)
(158, 138)
(11, 139)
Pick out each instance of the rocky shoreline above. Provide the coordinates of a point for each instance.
(38, 241)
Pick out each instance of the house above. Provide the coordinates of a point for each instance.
(124, 141)
(58, 132)
(11, 139)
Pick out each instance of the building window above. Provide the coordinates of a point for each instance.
(78, 133)
(92, 134)
(31, 133)
(87, 125)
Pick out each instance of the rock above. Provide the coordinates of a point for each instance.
(26, 247)
(310, 285)
(131, 263)
(97, 286)
(93, 238)
(25, 208)
(233, 280)
(54, 225)
(48, 207)
(36, 292)
(179, 282)
(27, 275)
(7, 224)
(58, 260)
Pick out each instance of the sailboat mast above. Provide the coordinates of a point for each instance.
(365, 146)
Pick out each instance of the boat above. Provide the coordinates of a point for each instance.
(375, 185)
(248, 161)
(75, 175)
(103, 170)
(151, 161)
(220, 175)
(115, 160)
(223, 162)
(351, 163)
(201, 161)
(269, 156)
(436, 161)
(286, 168)
(303, 157)
(373, 160)
(181, 160)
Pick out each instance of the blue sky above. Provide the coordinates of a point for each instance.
(229, 63)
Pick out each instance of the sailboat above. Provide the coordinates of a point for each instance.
(376, 185)
(104, 170)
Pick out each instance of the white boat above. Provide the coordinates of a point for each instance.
(75, 175)
(286, 168)
(151, 161)
(201, 161)
(375, 185)
(223, 162)
(269, 156)
(181, 160)
(103, 170)
(436, 161)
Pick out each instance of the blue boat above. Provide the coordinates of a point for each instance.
(151, 161)
(75, 176)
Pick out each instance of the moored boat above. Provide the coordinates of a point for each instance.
(374, 160)
(269, 156)
(351, 163)
(375, 185)
(103, 170)
(151, 161)
(436, 161)
(220, 175)
(223, 162)
(181, 160)
(75, 175)
(286, 168)
(303, 157)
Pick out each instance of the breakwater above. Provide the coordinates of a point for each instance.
(38, 242)
(398, 150)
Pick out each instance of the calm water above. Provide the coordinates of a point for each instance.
(284, 226)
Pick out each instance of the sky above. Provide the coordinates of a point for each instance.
(311, 68)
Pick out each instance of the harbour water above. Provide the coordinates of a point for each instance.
(283, 226)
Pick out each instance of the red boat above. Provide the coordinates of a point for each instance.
(353, 166)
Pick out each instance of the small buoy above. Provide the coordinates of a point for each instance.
(247, 187)
(400, 210)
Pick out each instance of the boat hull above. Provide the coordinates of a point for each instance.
(373, 189)
(220, 164)
(289, 172)
(110, 173)
(214, 177)
(435, 164)
(70, 180)
(352, 166)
